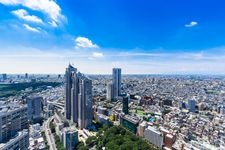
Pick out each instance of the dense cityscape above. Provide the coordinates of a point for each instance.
(112, 75)
(77, 111)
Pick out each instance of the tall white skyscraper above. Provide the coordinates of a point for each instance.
(78, 98)
(116, 80)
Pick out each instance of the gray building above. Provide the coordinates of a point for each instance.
(70, 138)
(85, 112)
(34, 108)
(154, 136)
(68, 86)
(78, 98)
(13, 118)
(4, 76)
(191, 105)
(109, 94)
(116, 81)
(19, 142)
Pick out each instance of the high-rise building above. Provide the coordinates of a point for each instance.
(85, 103)
(191, 105)
(13, 118)
(4, 76)
(26, 75)
(78, 98)
(125, 104)
(70, 138)
(68, 85)
(109, 94)
(20, 142)
(116, 81)
(34, 108)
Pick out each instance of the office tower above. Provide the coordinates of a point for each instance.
(85, 103)
(4, 76)
(34, 108)
(78, 98)
(70, 138)
(125, 104)
(191, 105)
(26, 75)
(13, 118)
(20, 142)
(109, 94)
(68, 85)
(116, 80)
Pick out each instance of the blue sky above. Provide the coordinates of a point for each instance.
(140, 36)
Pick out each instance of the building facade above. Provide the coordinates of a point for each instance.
(70, 138)
(125, 104)
(78, 106)
(13, 118)
(116, 81)
(34, 108)
(19, 142)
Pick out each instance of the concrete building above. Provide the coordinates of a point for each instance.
(34, 108)
(68, 86)
(191, 105)
(85, 112)
(110, 94)
(103, 119)
(141, 128)
(116, 81)
(19, 142)
(4, 76)
(154, 136)
(129, 122)
(125, 104)
(78, 106)
(70, 138)
(13, 118)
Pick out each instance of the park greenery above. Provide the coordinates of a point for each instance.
(115, 138)
(13, 89)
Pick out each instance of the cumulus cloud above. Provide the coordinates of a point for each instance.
(48, 7)
(83, 42)
(23, 14)
(29, 28)
(191, 24)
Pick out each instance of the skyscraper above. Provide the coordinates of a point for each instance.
(116, 80)
(109, 94)
(125, 104)
(191, 105)
(85, 103)
(68, 85)
(78, 98)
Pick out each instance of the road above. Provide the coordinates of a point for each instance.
(48, 134)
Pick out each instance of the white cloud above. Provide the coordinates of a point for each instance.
(32, 29)
(191, 24)
(23, 14)
(97, 55)
(83, 42)
(48, 7)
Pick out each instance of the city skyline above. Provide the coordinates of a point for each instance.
(147, 37)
